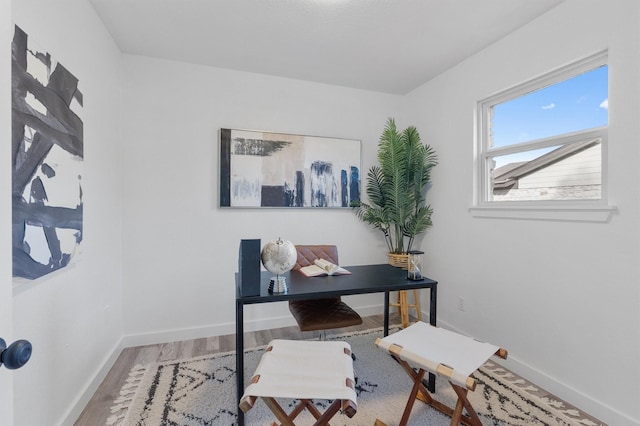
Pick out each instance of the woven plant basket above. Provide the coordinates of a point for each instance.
(399, 260)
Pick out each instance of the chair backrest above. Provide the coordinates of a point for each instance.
(308, 253)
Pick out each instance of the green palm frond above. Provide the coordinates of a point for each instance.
(396, 187)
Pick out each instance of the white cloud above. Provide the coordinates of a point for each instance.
(605, 104)
(550, 106)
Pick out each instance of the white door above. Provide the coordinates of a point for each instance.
(6, 376)
(6, 293)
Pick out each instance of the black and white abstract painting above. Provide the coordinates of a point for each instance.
(47, 159)
(262, 169)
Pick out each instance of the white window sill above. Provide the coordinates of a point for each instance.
(554, 213)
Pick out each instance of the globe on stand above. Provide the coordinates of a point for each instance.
(278, 257)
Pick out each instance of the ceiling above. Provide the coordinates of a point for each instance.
(390, 46)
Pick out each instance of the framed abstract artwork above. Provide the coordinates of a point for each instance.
(265, 169)
(47, 159)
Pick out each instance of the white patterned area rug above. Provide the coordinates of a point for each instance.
(202, 391)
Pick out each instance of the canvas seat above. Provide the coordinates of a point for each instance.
(304, 370)
(422, 348)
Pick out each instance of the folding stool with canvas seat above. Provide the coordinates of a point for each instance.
(422, 348)
(305, 370)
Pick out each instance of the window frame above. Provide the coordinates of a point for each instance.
(588, 209)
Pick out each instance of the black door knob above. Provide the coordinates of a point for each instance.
(16, 355)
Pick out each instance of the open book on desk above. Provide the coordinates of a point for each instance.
(323, 267)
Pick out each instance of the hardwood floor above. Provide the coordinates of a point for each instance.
(97, 410)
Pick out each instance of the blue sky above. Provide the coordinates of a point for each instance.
(576, 104)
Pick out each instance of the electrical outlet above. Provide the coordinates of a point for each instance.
(460, 303)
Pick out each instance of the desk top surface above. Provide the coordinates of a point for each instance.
(363, 279)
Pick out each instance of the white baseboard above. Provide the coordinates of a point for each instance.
(593, 407)
(73, 413)
(589, 405)
(177, 335)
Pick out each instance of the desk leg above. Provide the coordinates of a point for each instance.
(433, 302)
(240, 358)
(386, 314)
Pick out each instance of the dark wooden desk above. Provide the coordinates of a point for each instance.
(364, 279)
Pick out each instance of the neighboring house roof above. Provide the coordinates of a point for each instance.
(507, 176)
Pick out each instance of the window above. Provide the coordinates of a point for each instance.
(544, 142)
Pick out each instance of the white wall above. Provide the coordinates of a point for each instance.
(180, 249)
(562, 297)
(74, 317)
(6, 307)
(159, 255)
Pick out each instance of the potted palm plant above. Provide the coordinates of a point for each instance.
(396, 190)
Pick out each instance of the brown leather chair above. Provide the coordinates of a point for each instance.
(321, 314)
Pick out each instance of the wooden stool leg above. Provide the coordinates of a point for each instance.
(396, 304)
(328, 414)
(473, 418)
(322, 419)
(456, 416)
(277, 411)
(412, 397)
(403, 306)
(416, 304)
(404, 309)
(304, 404)
(313, 410)
(419, 391)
